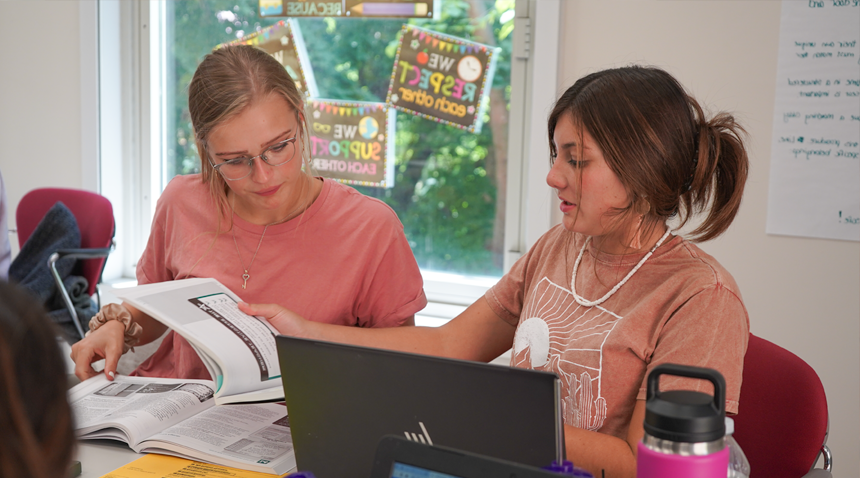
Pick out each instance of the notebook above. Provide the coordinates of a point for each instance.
(397, 457)
(343, 399)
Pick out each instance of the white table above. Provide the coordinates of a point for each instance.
(99, 457)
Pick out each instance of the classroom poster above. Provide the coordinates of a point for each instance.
(352, 141)
(349, 8)
(283, 41)
(815, 158)
(442, 78)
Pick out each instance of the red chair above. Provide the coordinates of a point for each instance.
(94, 215)
(782, 419)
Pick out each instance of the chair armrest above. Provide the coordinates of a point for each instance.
(92, 253)
(84, 253)
(828, 464)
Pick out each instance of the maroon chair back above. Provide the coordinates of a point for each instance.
(782, 417)
(93, 213)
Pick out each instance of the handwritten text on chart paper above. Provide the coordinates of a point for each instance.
(815, 154)
(833, 3)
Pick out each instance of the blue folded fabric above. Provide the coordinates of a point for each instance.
(57, 230)
(85, 307)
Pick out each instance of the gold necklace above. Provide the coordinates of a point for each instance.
(246, 270)
(246, 275)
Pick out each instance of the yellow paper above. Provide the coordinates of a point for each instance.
(164, 466)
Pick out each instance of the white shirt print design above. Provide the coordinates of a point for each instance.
(556, 334)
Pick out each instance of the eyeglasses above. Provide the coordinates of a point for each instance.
(275, 155)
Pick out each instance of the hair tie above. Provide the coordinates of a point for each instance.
(689, 182)
(117, 312)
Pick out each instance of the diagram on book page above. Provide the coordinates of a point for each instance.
(254, 332)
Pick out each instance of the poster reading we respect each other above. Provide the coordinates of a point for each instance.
(442, 78)
(352, 142)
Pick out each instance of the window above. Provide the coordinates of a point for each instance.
(462, 212)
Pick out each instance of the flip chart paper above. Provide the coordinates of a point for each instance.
(815, 170)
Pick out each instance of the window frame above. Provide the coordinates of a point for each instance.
(128, 37)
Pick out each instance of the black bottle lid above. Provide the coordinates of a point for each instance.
(683, 415)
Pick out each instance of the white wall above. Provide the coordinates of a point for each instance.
(40, 97)
(803, 294)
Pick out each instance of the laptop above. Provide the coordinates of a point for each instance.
(397, 457)
(343, 399)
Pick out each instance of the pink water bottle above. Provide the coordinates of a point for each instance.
(685, 431)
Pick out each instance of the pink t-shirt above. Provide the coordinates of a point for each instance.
(681, 307)
(344, 261)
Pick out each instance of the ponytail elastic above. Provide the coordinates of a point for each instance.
(688, 184)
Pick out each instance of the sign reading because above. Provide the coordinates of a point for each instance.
(348, 8)
(352, 142)
(442, 78)
(283, 41)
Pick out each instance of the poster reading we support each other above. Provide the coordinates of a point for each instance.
(284, 42)
(442, 78)
(352, 142)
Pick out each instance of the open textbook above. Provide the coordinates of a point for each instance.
(238, 349)
(179, 417)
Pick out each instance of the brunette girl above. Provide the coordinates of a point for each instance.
(612, 292)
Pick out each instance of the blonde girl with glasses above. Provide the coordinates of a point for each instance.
(612, 291)
(259, 222)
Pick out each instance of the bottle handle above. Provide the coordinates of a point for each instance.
(709, 374)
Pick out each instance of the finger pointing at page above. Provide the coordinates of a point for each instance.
(105, 343)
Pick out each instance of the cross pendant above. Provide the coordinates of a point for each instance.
(245, 276)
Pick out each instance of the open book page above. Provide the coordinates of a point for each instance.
(248, 436)
(150, 466)
(130, 409)
(238, 349)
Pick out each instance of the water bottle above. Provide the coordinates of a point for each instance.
(739, 466)
(685, 431)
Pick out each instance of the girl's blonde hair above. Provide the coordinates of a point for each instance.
(227, 81)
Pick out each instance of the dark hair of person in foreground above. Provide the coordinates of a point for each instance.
(36, 435)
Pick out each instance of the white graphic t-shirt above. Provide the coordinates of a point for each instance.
(681, 306)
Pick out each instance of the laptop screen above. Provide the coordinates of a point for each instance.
(342, 399)
(397, 457)
(402, 470)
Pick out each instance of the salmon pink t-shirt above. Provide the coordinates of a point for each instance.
(344, 261)
(680, 307)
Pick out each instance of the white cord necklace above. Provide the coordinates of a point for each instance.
(588, 303)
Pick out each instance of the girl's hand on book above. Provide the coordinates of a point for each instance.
(105, 343)
(286, 321)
